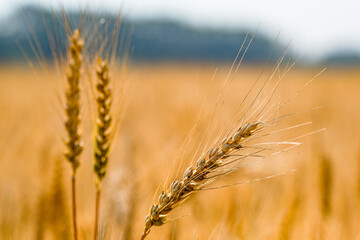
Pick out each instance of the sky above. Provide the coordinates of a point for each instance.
(314, 27)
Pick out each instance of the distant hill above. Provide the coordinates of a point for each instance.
(342, 58)
(150, 40)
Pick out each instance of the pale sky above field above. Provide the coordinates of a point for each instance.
(315, 27)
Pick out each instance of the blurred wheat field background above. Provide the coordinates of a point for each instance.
(320, 200)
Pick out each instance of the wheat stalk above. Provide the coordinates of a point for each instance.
(103, 126)
(326, 182)
(41, 216)
(72, 111)
(207, 168)
(58, 219)
(289, 219)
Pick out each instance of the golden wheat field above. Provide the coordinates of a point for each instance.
(170, 114)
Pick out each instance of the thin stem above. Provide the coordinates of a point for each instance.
(73, 190)
(143, 236)
(97, 212)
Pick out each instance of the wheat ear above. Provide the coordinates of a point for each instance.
(207, 168)
(103, 126)
(72, 111)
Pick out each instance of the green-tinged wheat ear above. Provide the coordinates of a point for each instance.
(197, 176)
(104, 119)
(103, 128)
(72, 108)
(326, 182)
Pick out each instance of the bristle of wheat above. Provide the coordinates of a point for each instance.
(104, 120)
(72, 109)
(197, 176)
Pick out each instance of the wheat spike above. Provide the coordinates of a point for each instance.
(103, 126)
(103, 123)
(72, 111)
(207, 168)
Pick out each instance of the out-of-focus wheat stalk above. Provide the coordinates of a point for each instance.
(41, 217)
(289, 220)
(358, 176)
(103, 127)
(72, 111)
(326, 182)
(58, 209)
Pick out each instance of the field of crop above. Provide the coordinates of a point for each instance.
(170, 114)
